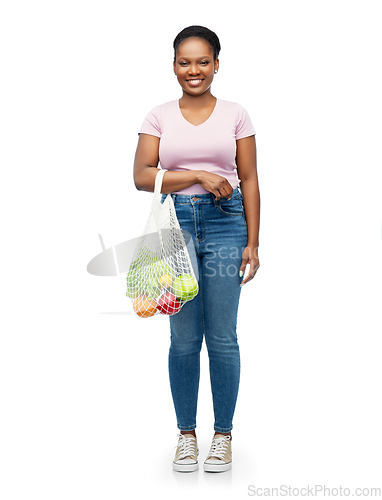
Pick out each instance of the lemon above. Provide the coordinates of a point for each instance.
(165, 280)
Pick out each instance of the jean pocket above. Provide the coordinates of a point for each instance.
(232, 207)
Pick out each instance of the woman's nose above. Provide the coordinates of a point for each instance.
(193, 69)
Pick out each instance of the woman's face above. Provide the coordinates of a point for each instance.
(194, 65)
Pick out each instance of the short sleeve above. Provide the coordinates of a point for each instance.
(244, 127)
(151, 124)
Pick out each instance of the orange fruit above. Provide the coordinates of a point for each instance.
(144, 307)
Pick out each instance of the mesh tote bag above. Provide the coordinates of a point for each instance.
(161, 278)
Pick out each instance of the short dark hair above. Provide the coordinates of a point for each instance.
(201, 32)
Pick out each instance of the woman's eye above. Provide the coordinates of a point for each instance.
(204, 63)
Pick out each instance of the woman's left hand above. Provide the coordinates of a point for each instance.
(251, 257)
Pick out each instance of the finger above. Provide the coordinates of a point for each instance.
(228, 189)
(227, 192)
(254, 266)
(242, 268)
(217, 194)
(220, 193)
(245, 280)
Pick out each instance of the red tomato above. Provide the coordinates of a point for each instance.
(167, 304)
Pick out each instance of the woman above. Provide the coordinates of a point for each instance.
(207, 145)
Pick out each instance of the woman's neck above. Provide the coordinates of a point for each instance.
(197, 101)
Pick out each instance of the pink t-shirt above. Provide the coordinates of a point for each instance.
(209, 146)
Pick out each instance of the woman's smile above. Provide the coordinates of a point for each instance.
(195, 82)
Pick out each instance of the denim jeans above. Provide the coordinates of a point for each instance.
(219, 234)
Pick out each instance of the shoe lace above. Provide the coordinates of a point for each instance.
(219, 447)
(186, 446)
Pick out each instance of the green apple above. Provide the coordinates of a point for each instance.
(185, 287)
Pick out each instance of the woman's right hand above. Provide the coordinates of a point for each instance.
(215, 184)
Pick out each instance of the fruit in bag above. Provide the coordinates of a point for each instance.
(144, 307)
(165, 280)
(132, 287)
(185, 287)
(167, 304)
(161, 278)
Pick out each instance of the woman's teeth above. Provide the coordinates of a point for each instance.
(195, 82)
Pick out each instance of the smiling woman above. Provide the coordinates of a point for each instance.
(195, 65)
(207, 147)
(184, 63)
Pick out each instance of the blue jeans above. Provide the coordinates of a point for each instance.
(219, 234)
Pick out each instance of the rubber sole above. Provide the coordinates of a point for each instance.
(185, 467)
(217, 467)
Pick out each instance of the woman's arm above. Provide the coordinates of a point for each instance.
(247, 172)
(145, 170)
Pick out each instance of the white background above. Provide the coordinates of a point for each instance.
(86, 403)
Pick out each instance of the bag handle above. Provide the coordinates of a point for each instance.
(158, 183)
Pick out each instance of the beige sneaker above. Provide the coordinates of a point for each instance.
(220, 456)
(186, 456)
